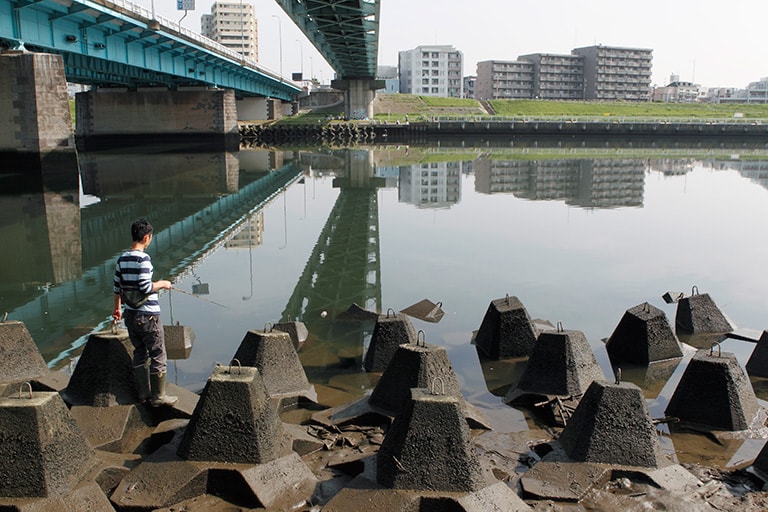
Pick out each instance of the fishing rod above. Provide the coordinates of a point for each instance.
(201, 298)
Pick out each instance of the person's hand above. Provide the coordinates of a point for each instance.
(163, 284)
(117, 314)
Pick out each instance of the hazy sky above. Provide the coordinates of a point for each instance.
(715, 44)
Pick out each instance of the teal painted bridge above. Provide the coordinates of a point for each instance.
(108, 43)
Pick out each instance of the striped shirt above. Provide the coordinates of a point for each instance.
(134, 271)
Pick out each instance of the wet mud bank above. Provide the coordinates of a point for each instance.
(261, 436)
(338, 134)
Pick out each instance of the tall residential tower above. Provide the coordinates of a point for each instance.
(233, 25)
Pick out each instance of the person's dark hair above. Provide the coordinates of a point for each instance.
(140, 228)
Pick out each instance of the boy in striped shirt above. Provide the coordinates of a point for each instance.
(135, 291)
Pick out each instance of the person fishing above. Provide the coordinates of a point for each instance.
(135, 290)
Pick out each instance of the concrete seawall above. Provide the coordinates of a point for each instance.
(427, 132)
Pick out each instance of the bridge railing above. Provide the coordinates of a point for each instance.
(210, 44)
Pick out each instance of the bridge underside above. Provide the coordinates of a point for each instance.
(117, 46)
(345, 32)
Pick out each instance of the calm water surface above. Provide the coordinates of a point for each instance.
(260, 237)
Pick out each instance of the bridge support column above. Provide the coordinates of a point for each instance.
(34, 106)
(117, 116)
(358, 96)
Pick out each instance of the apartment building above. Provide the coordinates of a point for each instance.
(615, 73)
(432, 71)
(556, 77)
(234, 26)
(504, 79)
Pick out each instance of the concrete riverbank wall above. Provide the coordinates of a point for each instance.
(433, 131)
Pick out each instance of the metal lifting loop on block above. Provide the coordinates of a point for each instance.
(506, 299)
(442, 385)
(239, 368)
(29, 386)
(618, 375)
(393, 312)
(268, 327)
(114, 327)
(694, 290)
(712, 348)
(560, 327)
(5, 316)
(646, 307)
(421, 336)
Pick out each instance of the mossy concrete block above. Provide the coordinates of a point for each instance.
(43, 451)
(429, 446)
(562, 364)
(104, 373)
(612, 425)
(714, 392)
(273, 353)
(234, 421)
(390, 331)
(20, 359)
(643, 336)
(507, 330)
(413, 366)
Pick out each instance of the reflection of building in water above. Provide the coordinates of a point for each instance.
(587, 183)
(754, 170)
(431, 185)
(672, 166)
(249, 234)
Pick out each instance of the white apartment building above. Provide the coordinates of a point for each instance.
(432, 71)
(556, 77)
(614, 73)
(233, 25)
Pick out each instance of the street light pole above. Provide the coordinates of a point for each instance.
(280, 36)
(301, 52)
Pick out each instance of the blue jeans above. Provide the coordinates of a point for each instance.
(148, 339)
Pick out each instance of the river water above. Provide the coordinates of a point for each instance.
(255, 237)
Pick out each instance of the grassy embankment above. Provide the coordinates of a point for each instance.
(399, 107)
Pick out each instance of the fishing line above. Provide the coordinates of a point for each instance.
(201, 298)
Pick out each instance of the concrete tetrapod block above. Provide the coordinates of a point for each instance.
(612, 425)
(429, 446)
(506, 331)
(760, 463)
(272, 352)
(178, 341)
(164, 480)
(643, 336)
(104, 373)
(296, 330)
(757, 366)
(698, 314)
(413, 366)
(390, 332)
(714, 392)
(43, 451)
(19, 358)
(562, 364)
(234, 421)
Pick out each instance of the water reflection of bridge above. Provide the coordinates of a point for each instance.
(189, 223)
(343, 269)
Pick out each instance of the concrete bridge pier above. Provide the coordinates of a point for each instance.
(113, 115)
(358, 96)
(34, 106)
